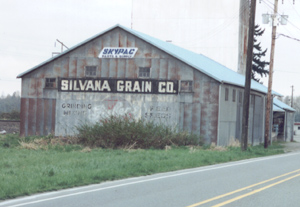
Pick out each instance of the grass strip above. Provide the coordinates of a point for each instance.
(25, 172)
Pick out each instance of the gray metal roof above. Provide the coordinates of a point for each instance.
(200, 62)
(277, 109)
(282, 105)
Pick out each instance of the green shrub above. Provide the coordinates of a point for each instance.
(123, 131)
(13, 115)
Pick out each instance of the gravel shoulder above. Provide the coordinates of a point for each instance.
(292, 146)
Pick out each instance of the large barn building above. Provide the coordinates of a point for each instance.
(122, 71)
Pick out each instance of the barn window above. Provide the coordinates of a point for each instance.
(186, 86)
(90, 71)
(50, 83)
(226, 94)
(144, 72)
(233, 95)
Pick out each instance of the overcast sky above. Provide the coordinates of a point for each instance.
(29, 29)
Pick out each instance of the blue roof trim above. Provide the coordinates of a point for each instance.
(200, 62)
(277, 109)
(282, 105)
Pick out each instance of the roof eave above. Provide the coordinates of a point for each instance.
(67, 51)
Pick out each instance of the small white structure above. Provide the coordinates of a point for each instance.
(297, 128)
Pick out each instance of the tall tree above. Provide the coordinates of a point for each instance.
(258, 65)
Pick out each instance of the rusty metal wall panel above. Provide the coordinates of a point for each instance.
(39, 87)
(65, 67)
(32, 88)
(114, 41)
(197, 113)
(228, 114)
(81, 63)
(289, 124)
(131, 69)
(154, 68)
(25, 87)
(53, 110)
(196, 120)
(163, 72)
(187, 117)
(72, 67)
(49, 116)
(214, 123)
(105, 68)
(239, 115)
(23, 117)
(130, 40)
(122, 39)
(172, 70)
(121, 68)
(258, 120)
(250, 123)
(32, 116)
(113, 68)
(40, 117)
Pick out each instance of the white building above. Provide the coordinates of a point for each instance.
(191, 24)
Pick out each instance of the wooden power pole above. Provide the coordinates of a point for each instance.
(269, 97)
(246, 103)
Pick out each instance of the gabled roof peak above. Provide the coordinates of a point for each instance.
(200, 62)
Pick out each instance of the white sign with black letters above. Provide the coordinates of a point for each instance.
(118, 52)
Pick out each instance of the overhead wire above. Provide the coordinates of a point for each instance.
(271, 5)
(288, 37)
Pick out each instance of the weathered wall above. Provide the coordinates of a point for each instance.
(289, 123)
(51, 111)
(231, 115)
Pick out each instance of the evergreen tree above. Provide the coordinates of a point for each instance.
(258, 65)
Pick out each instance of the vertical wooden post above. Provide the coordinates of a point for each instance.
(269, 96)
(246, 103)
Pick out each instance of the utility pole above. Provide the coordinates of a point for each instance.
(246, 103)
(269, 96)
(243, 35)
(292, 99)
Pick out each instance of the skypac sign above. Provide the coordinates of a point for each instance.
(118, 52)
(117, 86)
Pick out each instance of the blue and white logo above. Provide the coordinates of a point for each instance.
(118, 52)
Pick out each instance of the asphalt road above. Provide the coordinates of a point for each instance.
(270, 181)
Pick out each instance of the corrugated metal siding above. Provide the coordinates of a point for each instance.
(289, 125)
(231, 117)
(44, 112)
(258, 120)
(37, 116)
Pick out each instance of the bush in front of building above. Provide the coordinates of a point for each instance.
(125, 132)
(13, 115)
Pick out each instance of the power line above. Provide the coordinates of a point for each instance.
(287, 37)
(283, 71)
(271, 5)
